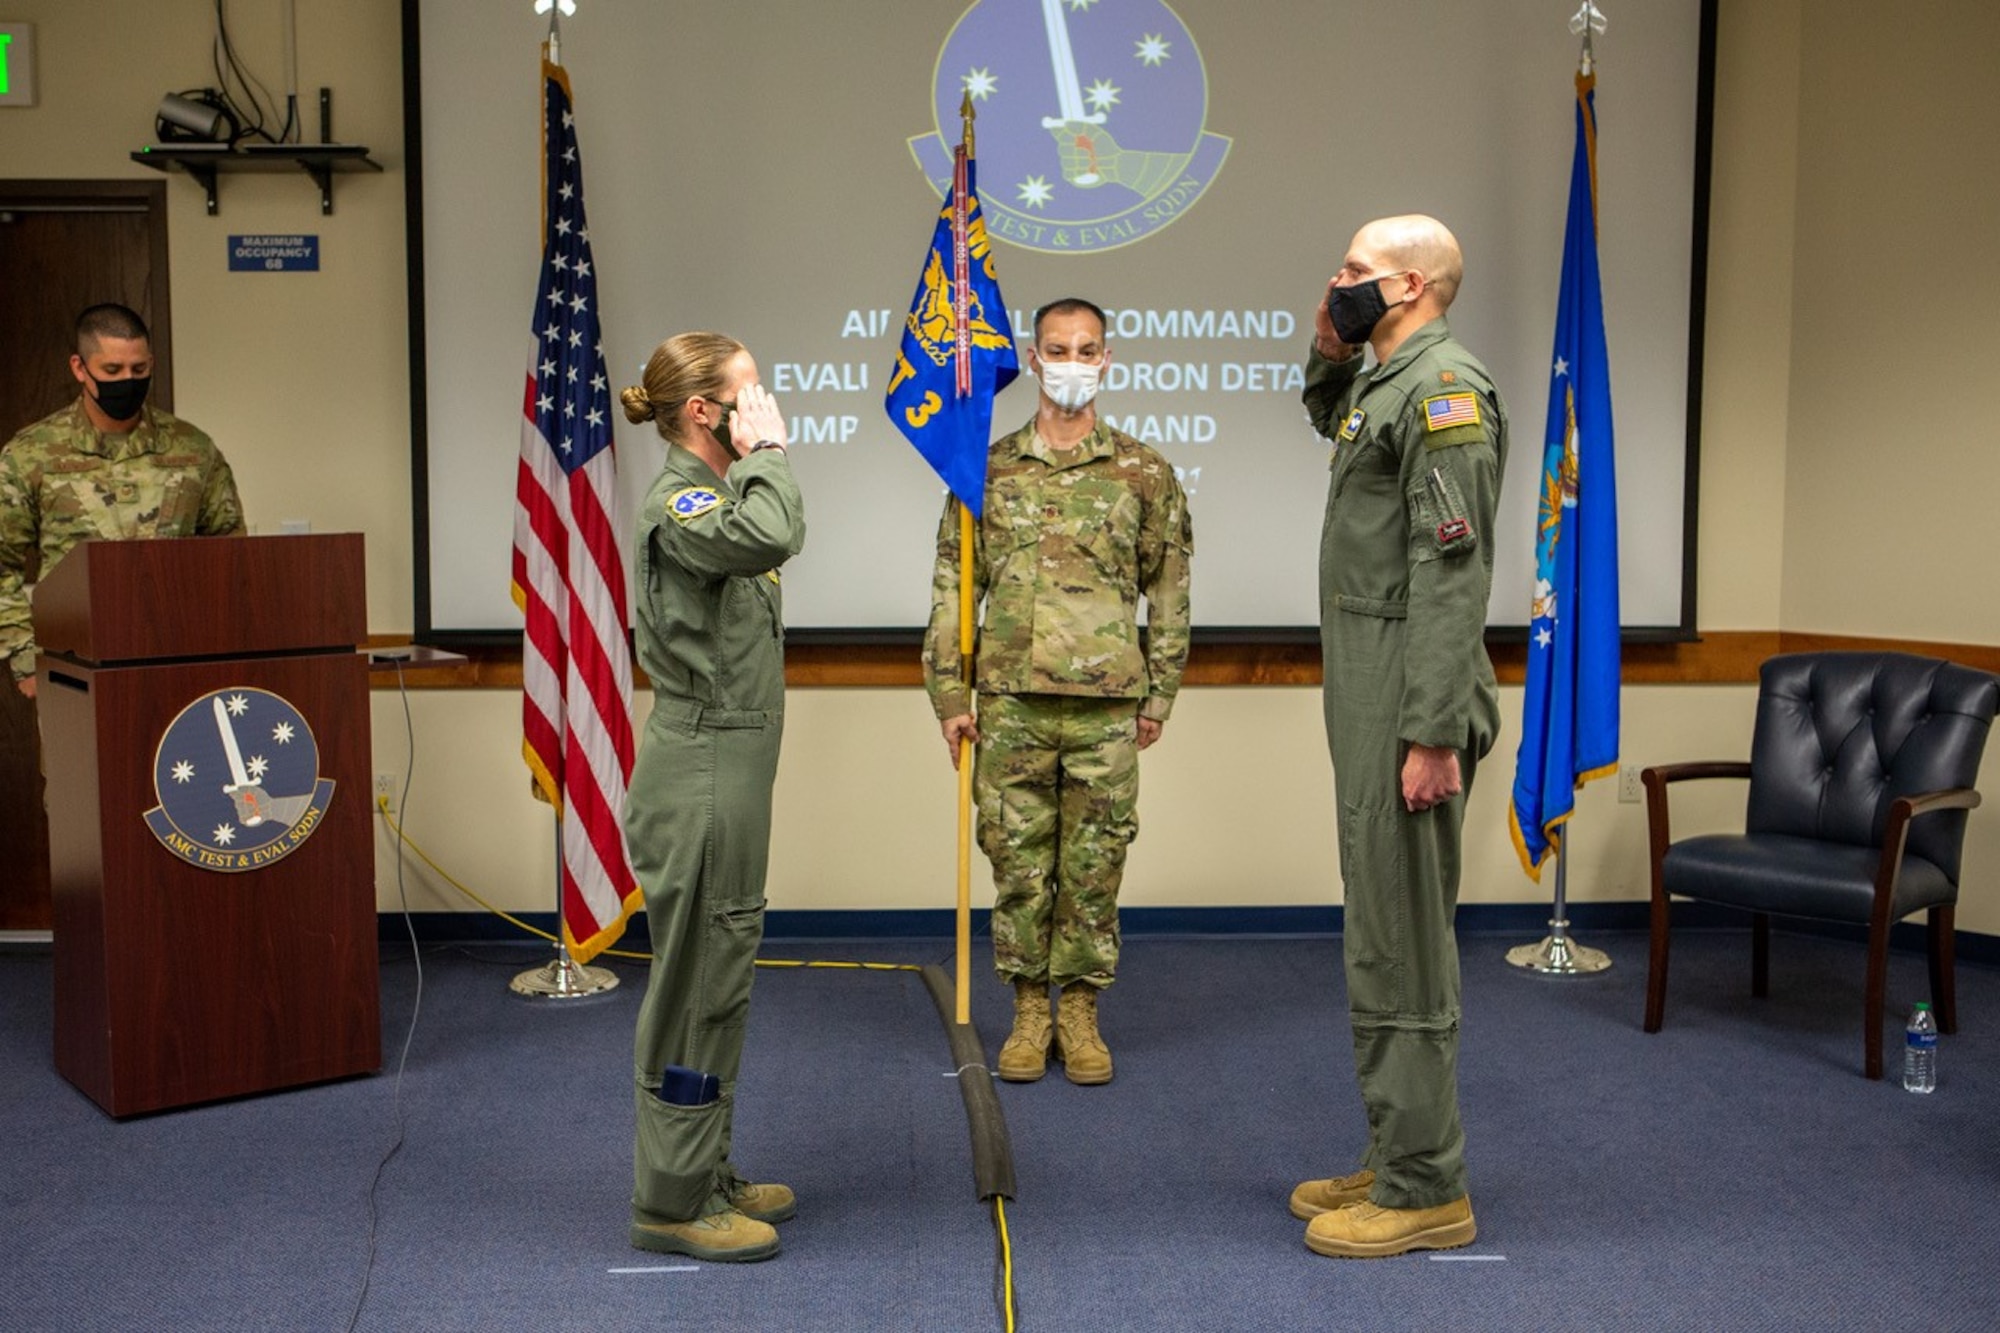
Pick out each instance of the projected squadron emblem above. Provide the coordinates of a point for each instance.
(237, 780)
(1090, 121)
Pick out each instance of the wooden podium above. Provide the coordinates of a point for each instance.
(206, 731)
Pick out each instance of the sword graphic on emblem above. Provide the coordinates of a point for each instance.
(1090, 156)
(249, 797)
(1069, 89)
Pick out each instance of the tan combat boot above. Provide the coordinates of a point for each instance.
(1314, 1197)
(768, 1202)
(1086, 1059)
(724, 1237)
(1025, 1056)
(1370, 1231)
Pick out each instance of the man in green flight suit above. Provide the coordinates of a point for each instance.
(1080, 521)
(1406, 562)
(106, 466)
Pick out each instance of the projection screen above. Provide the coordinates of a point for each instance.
(772, 169)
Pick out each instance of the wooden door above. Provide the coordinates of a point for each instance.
(64, 246)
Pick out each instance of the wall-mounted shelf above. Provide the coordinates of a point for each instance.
(205, 162)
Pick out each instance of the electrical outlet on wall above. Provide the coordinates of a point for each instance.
(385, 790)
(1630, 789)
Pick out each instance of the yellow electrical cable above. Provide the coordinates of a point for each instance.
(382, 807)
(1006, 1260)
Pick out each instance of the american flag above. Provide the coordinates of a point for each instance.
(568, 580)
(1451, 409)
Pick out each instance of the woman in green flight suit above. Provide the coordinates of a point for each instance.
(720, 519)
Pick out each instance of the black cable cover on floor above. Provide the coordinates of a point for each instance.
(992, 1151)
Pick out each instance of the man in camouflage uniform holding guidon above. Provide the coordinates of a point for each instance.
(106, 466)
(1080, 522)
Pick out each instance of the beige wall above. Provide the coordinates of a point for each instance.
(1839, 144)
(1892, 432)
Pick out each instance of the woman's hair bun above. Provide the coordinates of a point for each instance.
(638, 407)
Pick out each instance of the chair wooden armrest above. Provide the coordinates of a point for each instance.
(1661, 774)
(1895, 834)
(1658, 839)
(1897, 831)
(1656, 779)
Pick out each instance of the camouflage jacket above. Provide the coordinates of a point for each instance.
(61, 481)
(1069, 542)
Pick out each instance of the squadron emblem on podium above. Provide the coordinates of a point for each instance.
(237, 780)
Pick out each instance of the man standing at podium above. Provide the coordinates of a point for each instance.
(105, 466)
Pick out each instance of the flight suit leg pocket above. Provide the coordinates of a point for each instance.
(679, 1150)
(728, 966)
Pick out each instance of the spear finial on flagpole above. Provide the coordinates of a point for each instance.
(1588, 21)
(967, 114)
(553, 8)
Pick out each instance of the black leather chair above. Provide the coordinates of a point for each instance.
(1861, 774)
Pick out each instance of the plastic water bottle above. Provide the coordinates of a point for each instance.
(1920, 1052)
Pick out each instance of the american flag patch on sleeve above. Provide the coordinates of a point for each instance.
(1451, 409)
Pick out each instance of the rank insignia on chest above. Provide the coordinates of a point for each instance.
(1351, 428)
(692, 502)
(1446, 410)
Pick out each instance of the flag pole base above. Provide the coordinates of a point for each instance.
(1558, 955)
(563, 978)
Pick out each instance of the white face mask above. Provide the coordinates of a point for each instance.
(1070, 384)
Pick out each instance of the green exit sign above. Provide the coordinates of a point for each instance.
(17, 64)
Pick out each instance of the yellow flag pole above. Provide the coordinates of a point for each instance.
(965, 768)
(962, 989)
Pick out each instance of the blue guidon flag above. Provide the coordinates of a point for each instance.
(1569, 722)
(942, 385)
(237, 780)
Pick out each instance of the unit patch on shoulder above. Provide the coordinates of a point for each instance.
(1445, 410)
(1351, 428)
(692, 502)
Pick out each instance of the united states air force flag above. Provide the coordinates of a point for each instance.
(1569, 724)
(949, 428)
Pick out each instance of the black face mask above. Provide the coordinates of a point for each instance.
(1358, 309)
(120, 400)
(720, 430)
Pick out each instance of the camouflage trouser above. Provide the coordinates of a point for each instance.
(1057, 782)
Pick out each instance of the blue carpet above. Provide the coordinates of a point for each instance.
(1732, 1172)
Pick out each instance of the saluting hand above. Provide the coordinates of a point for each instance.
(1324, 338)
(758, 418)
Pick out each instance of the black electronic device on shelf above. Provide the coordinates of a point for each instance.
(206, 161)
